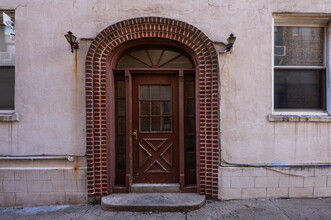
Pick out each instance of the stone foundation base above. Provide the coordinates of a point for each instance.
(291, 182)
(37, 186)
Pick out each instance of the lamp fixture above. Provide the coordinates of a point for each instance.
(72, 41)
(231, 39)
(223, 47)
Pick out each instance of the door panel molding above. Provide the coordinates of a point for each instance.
(155, 147)
(163, 164)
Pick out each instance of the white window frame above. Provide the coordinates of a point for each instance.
(9, 115)
(305, 21)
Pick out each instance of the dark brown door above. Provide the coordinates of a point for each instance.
(155, 120)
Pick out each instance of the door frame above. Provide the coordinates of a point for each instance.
(128, 73)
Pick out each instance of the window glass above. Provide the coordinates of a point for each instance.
(180, 62)
(168, 55)
(129, 61)
(7, 82)
(142, 56)
(299, 46)
(303, 89)
(300, 74)
(154, 58)
(7, 68)
(155, 55)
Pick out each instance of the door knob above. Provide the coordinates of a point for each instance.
(135, 134)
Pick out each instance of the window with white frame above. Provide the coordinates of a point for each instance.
(7, 66)
(300, 67)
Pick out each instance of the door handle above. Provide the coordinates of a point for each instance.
(135, 134)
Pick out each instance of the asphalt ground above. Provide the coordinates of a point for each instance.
(235, 209)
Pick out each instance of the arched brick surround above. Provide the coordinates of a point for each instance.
(96, 117)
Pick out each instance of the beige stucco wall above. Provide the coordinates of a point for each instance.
(50, 99)
(246, 96)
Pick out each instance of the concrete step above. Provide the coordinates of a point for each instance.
(146, 202)
(155, 188)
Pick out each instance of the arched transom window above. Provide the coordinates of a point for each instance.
(154, 58)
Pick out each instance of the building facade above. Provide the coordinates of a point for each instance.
(153, 96)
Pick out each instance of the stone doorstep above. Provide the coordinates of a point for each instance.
(146, 202)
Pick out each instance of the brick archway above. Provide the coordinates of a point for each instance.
(96, 117)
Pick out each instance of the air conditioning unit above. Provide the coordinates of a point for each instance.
(280, 51)
(5, 57)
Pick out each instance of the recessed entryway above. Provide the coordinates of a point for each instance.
(172, 138)
(155, 115)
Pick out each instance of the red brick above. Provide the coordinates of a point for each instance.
(96, 58)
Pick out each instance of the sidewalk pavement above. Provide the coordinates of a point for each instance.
(236, 209)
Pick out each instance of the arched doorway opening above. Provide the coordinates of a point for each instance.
(155, 115)
(104, 59)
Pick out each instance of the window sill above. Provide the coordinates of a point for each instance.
(298, 112)
(299, 118)
(8, 116)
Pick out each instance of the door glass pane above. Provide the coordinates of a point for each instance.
(166, 124)
(166, 108)
(120, 130)
(144, 92)
(120, 107)
(144, 124)
(155, 107)
(189, 89)
(166, 92)
(190, 161)
(120, 90)
(190, 143)
(152, 106)
(155, 92)
(189, 125)
(121, 144)
(121, 125)
(120, 161)
(155, 123)
(189, 107)
(144, 108)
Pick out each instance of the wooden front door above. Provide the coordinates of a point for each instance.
(155, 127)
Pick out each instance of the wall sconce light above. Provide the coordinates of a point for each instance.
(222, 47)
(231, 40)
(72, 41)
